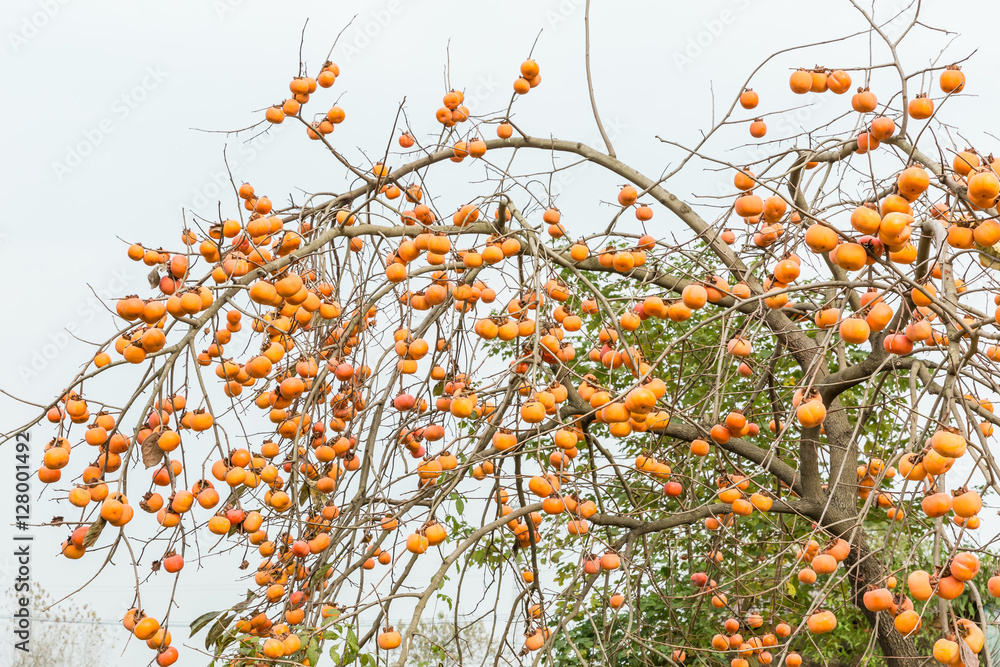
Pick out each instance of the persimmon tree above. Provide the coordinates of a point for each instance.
(703, 430)
(757, 541)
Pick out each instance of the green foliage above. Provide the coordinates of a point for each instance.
(663, 610)
(661, 613)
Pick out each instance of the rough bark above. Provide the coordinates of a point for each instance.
(864, 568)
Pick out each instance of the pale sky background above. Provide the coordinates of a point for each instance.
(99, 143)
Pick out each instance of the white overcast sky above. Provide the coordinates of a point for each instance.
(99, 142)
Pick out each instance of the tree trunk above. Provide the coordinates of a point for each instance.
(839, 515)
(863, 569)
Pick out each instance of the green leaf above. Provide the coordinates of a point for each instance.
(320, 573)
(251, 597)
(203, 620)
(312, 650)
(216, 632)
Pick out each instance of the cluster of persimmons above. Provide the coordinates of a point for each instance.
(270, 319)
